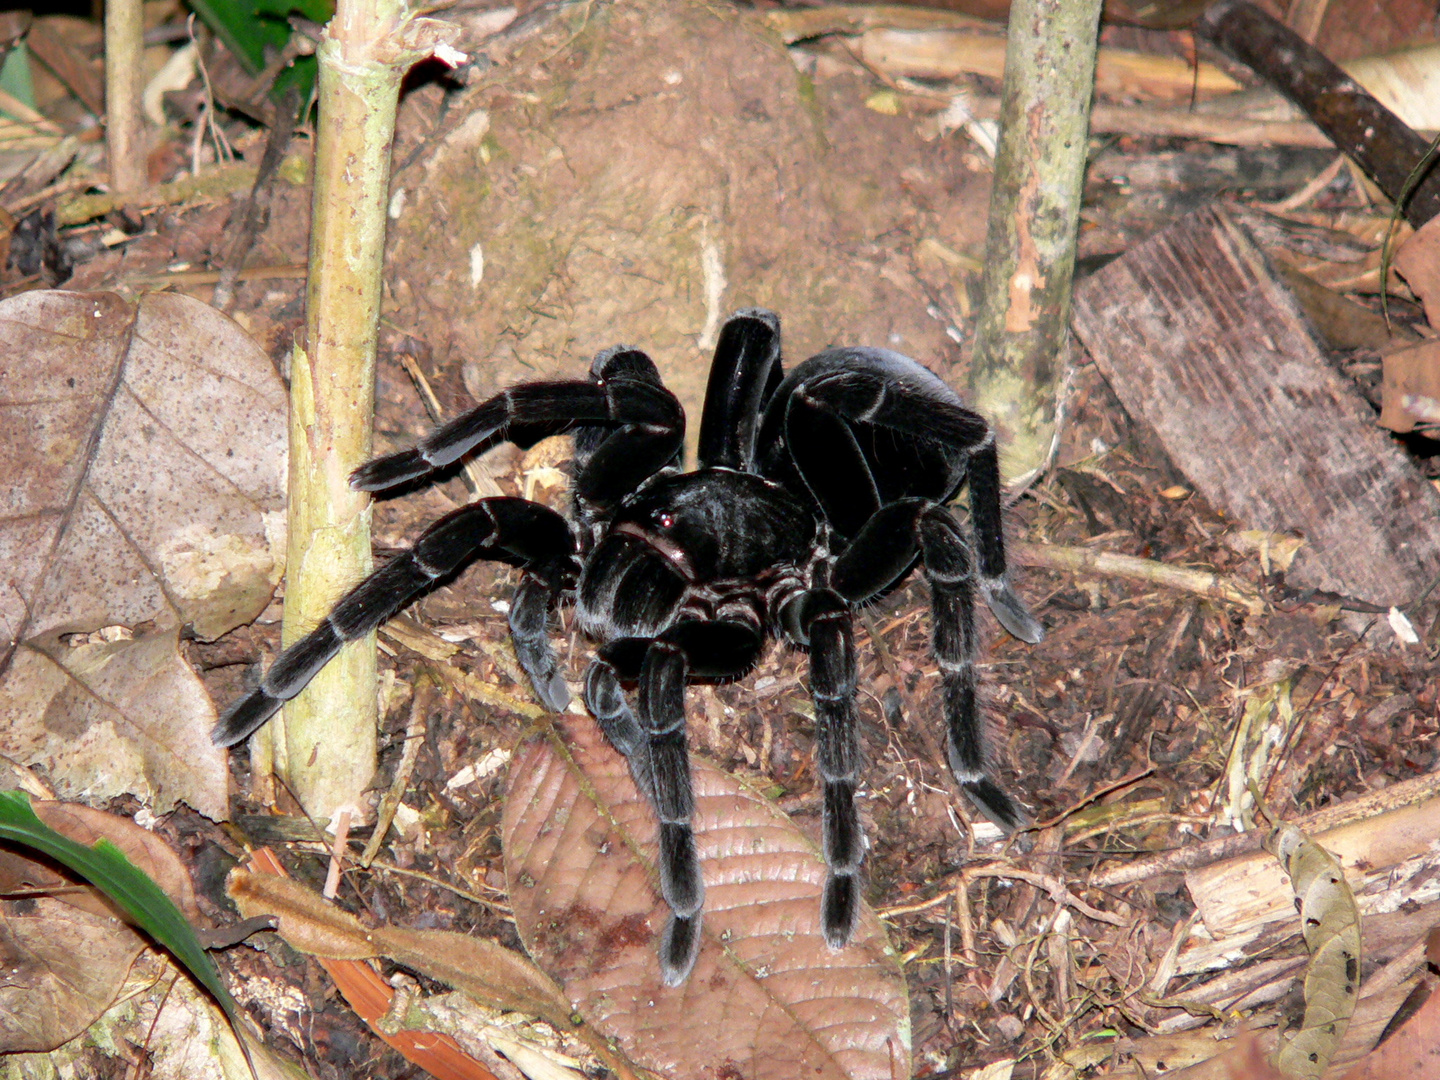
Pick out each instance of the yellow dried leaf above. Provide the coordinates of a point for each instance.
(1276, 549)
(884, 102)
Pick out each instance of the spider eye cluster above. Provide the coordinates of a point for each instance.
(664, 519)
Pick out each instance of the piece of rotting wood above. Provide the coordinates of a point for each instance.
(1202, 341)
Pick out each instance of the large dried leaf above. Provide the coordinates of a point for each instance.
(63, 967)
(67, 955)
(104, 865)
(142, 456)
(767, 997)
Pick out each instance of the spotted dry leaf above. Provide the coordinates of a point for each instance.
(767, 997)
(1330, 923)
(142, 464)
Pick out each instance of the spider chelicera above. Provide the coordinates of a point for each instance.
(815, 492)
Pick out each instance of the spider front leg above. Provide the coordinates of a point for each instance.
(655, 748)
(821, 618)
(509, 530)
(884, 548)
(623, 398)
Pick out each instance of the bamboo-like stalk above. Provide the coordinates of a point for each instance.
(1034, 211)
(124, 74)
(326, 746)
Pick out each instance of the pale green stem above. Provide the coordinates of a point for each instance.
(124, 75)
(1034, 211)
(328, 751)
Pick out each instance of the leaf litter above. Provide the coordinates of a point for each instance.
(1128, 686)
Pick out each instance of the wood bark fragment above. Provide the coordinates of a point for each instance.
(1251, 889)
(1224, 847)
(1201, 341)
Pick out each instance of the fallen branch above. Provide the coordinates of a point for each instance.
(1203, 854)
(1110, 564)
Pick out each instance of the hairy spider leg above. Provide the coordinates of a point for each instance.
(530, 610)
(524, 534)
(645, 434)
(1009, 610)
(655, 748)
(880, 389)
(743, 375)
(884, 549)
(530, 412)
(820, 618)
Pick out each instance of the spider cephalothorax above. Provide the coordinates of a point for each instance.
(814, 493)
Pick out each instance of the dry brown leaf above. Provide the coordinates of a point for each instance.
(147, 851)
(485, 970)
(1411, 1053)
(767, 997)
(142, 456)
(1418, 262)
(115, 718)
(62, 968)
(66, 956)
(1410, 387)
(268, 889)
(143, 452)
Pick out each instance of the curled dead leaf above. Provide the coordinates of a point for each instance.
(1410, 378)
(767, 994)
(1330, 923)
(483, 969)
(1418, 262)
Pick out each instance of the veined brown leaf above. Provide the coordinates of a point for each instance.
(142, 464)
(767, 997)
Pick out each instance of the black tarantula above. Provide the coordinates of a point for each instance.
(814, 493)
